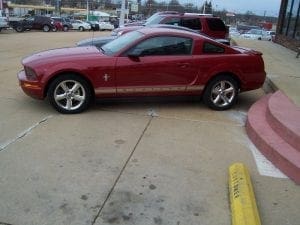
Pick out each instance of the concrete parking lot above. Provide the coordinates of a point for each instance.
(135, 162)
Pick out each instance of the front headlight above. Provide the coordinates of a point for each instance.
(30, 73)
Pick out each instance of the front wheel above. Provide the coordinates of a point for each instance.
(81, 29)
(65, 28)
(69, 94)
(46, 28)
(221, 92)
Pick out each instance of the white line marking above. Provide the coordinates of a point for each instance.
(264, 166)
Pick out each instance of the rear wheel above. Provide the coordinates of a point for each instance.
(66, 28)
(69, 94)
(221, 92)
(81, 29)
(46, 28)
(19, 28)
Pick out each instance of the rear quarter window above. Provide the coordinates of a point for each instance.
(210, 48)
(171, 21)
(216, 24)
(192, 23)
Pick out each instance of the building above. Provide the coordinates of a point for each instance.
(288, 28)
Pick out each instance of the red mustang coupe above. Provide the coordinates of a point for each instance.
(146, 62)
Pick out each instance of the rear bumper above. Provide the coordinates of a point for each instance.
(32, 88)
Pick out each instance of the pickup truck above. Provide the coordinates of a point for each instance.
(3, 23)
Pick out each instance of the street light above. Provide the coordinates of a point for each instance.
(87, 10)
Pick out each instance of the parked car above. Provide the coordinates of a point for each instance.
(94, 25)
(272, 34)
(99, 41)
(80, 25)
(3, 23)
(34, 23)
(146, 62)
(106, 26)
(62, 23)
(204, 23)
(257, 34)
(233, 32)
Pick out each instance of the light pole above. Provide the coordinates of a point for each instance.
(87, 10)
(128, 2)
(122, 15)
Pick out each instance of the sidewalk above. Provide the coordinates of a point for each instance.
(281, 65)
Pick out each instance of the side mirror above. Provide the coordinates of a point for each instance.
(135, 53)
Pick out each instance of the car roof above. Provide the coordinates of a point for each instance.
(169, 31)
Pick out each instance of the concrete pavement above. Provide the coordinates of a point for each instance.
(281, 64)
(124, 162)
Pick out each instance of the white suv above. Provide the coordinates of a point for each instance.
(3, 23)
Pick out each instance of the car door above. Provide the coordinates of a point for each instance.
(28, 23)
(157, 65)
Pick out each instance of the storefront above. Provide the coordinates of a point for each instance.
(288, 30)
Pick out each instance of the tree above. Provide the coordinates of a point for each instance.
(174, 5)
(190, 8)
(206, 8)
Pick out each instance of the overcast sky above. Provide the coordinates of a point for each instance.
(257, 6)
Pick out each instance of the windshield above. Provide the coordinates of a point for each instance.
(154, 19)
(121, 42)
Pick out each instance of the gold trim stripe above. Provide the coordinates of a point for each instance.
(195, 88)
(149, 89)
(105, 91)
(102, 90)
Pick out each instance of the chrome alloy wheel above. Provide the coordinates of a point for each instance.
(69, 94)
(223, 93)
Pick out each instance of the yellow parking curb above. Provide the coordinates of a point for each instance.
(243, 205)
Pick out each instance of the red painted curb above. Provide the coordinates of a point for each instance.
(284, 118)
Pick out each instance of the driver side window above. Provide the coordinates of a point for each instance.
(166, 45)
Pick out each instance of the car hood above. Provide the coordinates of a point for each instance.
(62, 54)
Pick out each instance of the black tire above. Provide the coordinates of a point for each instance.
(65, 28)
(221, 92)
(19, 28)
(81, 29)
(46, 28)
(54, 29)
(68, 101)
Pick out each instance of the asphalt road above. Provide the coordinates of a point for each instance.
(144, 162)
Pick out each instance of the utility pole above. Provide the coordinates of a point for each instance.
(122, 16)
(57, 7)
(87, 10)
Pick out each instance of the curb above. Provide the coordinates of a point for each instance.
(269, 86)
(242, 200)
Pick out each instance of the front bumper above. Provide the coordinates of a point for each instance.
(32, 88)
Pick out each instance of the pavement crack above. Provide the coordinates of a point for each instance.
(122, 170)
(152, 113)
(23, 134)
